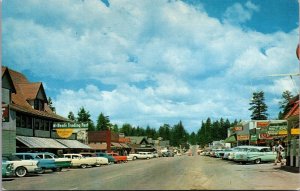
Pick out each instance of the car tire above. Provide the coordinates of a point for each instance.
(83, 165)
(134, 158)
(58, 169)
(42, 171)
(21, 171)
(148, 158)
(257, 161)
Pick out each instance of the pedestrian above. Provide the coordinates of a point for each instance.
(279, 149)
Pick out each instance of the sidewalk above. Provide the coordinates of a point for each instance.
(290, 169)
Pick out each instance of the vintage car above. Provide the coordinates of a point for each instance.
(141, 155)
(100, 160)
(60, 162)
(44, 164)
(168, 154)
(111, 159)
(256, 155)
(7, 168)
(77, 160)
(118, 158)
(22, 167)
(238, 149)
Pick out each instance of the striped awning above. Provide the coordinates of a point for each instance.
(38, 142)
(73, 144)
(230, 139)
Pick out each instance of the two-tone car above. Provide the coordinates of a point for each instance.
(7, 168)
(44, 164)
(99, 160)
(22, 167)
(111, 160)
(256, 155)
(77, 160)
(60, 162)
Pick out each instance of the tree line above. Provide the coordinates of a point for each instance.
(177, 135)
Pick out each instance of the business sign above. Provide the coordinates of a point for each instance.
(277, 129)
(5, 113)
(260, 124)
(265, 136)
(237, 128)
(63, 125)
(242, 137)
(295, 131)
(64, 133)
(65, 129)
(253, 138)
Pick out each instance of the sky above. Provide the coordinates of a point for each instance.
(151, 62)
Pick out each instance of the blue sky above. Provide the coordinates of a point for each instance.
(150, 62)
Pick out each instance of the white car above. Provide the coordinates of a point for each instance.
(77, 160)
(99, 160)
(22, 167)
(141, 155)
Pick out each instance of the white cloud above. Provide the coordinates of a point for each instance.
(167, 60)
(238, 13)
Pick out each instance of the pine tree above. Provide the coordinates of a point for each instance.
(258, 106)
(103, 122)
(84, 116)
(71, 116)
(284, 103)
(50, 104)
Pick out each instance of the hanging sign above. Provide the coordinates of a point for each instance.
(5, 113)
(295, 131)
(64, 133)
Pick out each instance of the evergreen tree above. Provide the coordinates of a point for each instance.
(258, 106)
(50, 104)
(84, 116)
(193, 139)
(284, 103)
(71, 116)
(103, 122)
(115, 128)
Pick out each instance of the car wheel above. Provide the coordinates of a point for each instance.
(21, 171)
(83, 166)
(59, 169)
(134, 158)
(42, 171)
(257, 161)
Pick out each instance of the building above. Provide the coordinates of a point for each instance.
(107, 141)
(141, 144)
(293, 141)
(27, 121)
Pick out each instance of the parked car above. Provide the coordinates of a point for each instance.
(60, 162)
(110, 158)
(44, 164)
(256, 155)
(237, 149)
(118, 158)
(100, 160)
(22, 167)
(168, 154)
(155, 154)
(77, 160)
(141, 155)
(7, 168)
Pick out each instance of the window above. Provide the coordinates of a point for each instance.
(41, 156)
(18, 120)
(48, 157)
(29, 123)
(46, 125)
(20, 156)
(23, 121)
(37, 124)
(38, 104)
(41, 124)
(28, 157)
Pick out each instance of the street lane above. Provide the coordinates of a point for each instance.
(185, 172)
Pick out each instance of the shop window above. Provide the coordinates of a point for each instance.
(18, 120)
(41, 124)
(29, 123)
(46, 125)
(23, 121)
(37, 124)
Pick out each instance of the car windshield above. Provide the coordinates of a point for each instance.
(10, 158)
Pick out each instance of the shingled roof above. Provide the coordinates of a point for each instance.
(26, 90)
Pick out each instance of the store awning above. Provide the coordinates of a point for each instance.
(38, 142)
(118, 145)
(124, 145)
(73, 144)
(230, 139)
(98, 146)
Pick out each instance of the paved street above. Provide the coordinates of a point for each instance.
(185, 172)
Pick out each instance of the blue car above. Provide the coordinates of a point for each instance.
(44, 164)
(111, 160)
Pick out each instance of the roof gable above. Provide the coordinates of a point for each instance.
(32, 90)
(6, 79)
